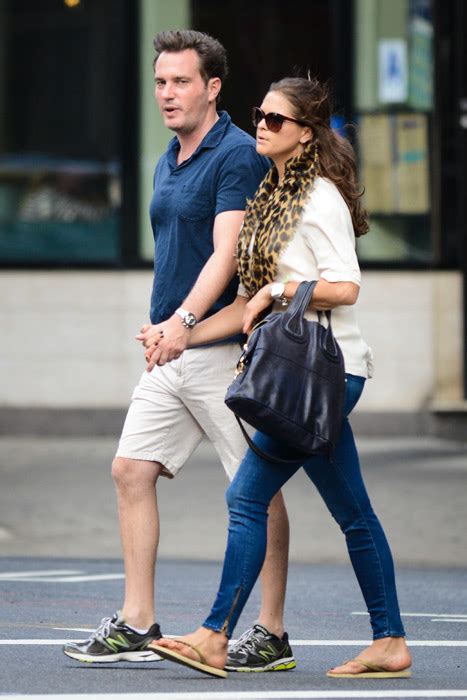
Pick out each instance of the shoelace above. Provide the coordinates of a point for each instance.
(248, 641)
(102, 631)
(249, 645)
(240, 640)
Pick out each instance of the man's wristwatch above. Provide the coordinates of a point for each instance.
(277, 293)
(188, 319)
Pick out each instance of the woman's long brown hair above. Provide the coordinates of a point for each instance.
(311, 102)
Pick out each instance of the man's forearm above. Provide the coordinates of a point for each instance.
(212, 281)
(169, 339)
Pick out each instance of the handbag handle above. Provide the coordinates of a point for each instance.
(265, 455)
(292, 323)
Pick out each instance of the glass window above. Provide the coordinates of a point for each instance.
(394, 103)
(60, 130)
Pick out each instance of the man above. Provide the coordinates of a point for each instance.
(200, 188)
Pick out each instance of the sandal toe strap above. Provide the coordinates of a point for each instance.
(195, 649)
(370, 667)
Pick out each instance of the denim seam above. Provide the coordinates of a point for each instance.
(241, 585)
(245, 569)
(382, 584)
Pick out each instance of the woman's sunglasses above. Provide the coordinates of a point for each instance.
(274, 121)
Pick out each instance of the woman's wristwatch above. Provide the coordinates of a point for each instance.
(277, 293)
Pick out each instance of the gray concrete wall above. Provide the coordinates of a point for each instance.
(68, 339)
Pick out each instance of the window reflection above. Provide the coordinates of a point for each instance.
(394, 102)
(61, 131)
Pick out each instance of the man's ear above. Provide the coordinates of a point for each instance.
(214, 88)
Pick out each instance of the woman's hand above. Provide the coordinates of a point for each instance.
(255, 306)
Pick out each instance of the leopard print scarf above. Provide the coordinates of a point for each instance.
(271, 219)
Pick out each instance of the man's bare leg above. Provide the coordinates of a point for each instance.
(135, 482)
(275, 567)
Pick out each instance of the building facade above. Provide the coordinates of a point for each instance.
(79, 138)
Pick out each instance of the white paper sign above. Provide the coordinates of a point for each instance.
(393, 73)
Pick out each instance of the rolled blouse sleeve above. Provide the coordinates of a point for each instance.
(328, 232)
(241, 291)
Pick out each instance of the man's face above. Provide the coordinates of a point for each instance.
(181, 93)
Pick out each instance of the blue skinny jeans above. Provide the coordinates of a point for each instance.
(341, 486)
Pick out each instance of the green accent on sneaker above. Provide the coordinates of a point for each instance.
(114, 640)
(259, 651)
(116, 643)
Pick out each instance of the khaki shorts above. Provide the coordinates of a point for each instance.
(176, 405)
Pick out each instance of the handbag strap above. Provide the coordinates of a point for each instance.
(265, 455)
(293, 317)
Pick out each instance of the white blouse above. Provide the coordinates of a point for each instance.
(323, 247)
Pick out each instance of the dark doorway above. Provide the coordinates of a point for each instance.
(269, 39)
(461, 60)
(451, 88)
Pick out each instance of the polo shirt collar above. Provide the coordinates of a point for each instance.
(211, 140)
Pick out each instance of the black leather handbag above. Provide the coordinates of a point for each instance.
(290, 381)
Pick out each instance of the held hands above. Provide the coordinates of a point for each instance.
(166, 341)
(255, 306)
(163, 342)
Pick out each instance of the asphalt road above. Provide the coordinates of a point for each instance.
(40, 609)
(60, 573)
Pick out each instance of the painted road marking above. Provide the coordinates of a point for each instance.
(367, 642)
(36, 642)
(48, 572)
(443, 619)
(57, 577)
(433, 615)
(255, 695)
(74, 629)
(72, 579)
(294, 642)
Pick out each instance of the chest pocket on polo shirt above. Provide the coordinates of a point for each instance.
(195, 204)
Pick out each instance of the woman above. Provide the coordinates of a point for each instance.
(301, 226)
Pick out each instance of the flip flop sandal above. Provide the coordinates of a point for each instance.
(373, 671)
(178, 658)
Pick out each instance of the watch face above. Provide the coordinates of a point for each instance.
(190, 320)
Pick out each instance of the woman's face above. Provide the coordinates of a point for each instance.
(291, 138)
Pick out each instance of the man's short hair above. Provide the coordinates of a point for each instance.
(212, 55)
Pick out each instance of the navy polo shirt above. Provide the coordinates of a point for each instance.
(223, 171)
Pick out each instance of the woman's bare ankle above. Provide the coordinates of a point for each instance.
(212, 645)
(389, 653)
(392, 650)
(217, 640)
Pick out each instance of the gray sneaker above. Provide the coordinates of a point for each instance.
(114, 641)
(259, 650)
